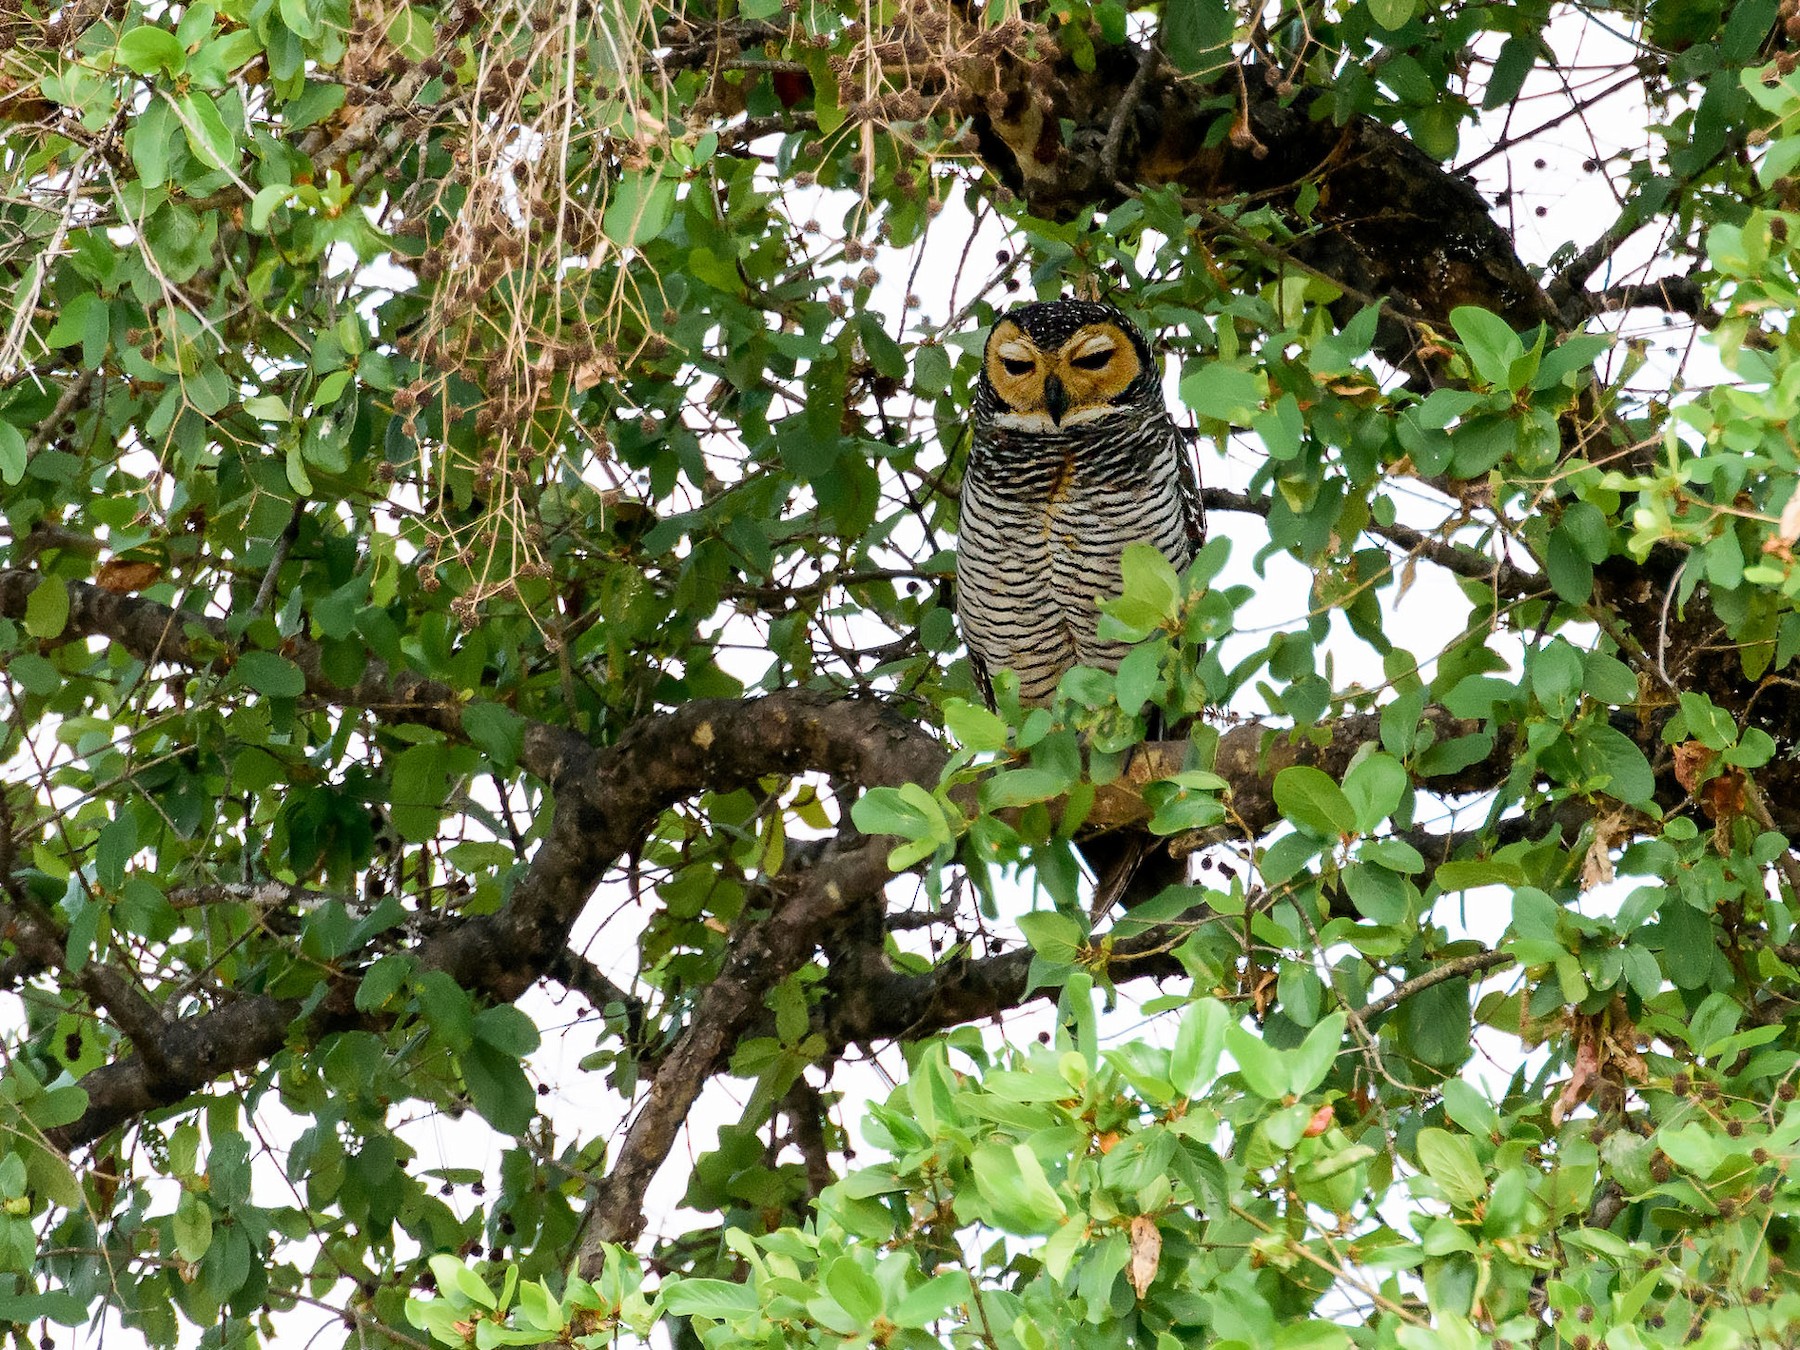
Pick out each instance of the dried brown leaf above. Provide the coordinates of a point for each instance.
(1788, 531)
(1583, 1079)
(1691, 761)
(122, 577)
(1146, 1253)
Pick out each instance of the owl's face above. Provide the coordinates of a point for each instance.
(1063, 363)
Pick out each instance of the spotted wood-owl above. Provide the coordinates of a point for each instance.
(1074, 456)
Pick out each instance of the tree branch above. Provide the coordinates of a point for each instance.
(1418, 984)
(763, 953)
(1505, 577)
(606, 801)
(158, 634)
(1389, 219)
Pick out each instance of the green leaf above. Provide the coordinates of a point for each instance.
(152, 138)
(12, 454)
(1056, 937)
(1693, 1148)
(146, 50)
(1571, 574)
(1469, 1109)
(719, 1300)
(854, 1290)
(499, 732)
(924, 1304)
(886, 810)
(1556, 677)
(1610, 755)
(1434, 1024)
(57, 1305)
(1309, 1064)
(207, 135)
(1392, 14)
(298, 16)
(1449, 1159)
(639, 208)
(383, 980)
(1312, 801)
(1492, 344)
(420, 790)
(1021, 787)
(193, 1227)
(410, 33)
(1196, 34)
(270, 675)
(84, 320)
(1016, 1193)
(507, 1029)
(1223, 392)
(973, 726)
(1375, 787)
(931, 370)
(1511, 68)
(1263, 1068)
(446, 1007)
(1148, 578)
(499, 1088)
(47, 608)
(1194, 1061)
(457, 1281)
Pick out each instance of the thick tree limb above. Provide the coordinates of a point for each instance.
(601, 811)
(1390, 220)
(1252, 753)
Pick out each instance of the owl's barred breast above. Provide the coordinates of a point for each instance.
(1045, 518)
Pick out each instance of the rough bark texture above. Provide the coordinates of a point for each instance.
(1390, 222)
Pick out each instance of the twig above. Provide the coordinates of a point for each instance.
(1450, 970)
(1784, 860)
(284, 543)
(72, 398)
(1505, 577)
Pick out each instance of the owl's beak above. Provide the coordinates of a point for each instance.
(1056, 399)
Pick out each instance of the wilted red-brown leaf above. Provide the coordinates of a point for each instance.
(121, 576)
(1584, 1078)
(1724, 798)
(1146, 1253)
(1259, 983)
(1691, 759)
(1321, 1121)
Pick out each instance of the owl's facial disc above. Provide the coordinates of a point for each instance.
(1016, 368)
(1077, 382)
(1098, 365)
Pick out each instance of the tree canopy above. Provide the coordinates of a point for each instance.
(479, 488)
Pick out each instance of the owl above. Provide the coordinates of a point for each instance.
(1074, 457)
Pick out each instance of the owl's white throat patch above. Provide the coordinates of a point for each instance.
(1040, 421)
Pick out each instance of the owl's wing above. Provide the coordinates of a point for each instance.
(1193, 505)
